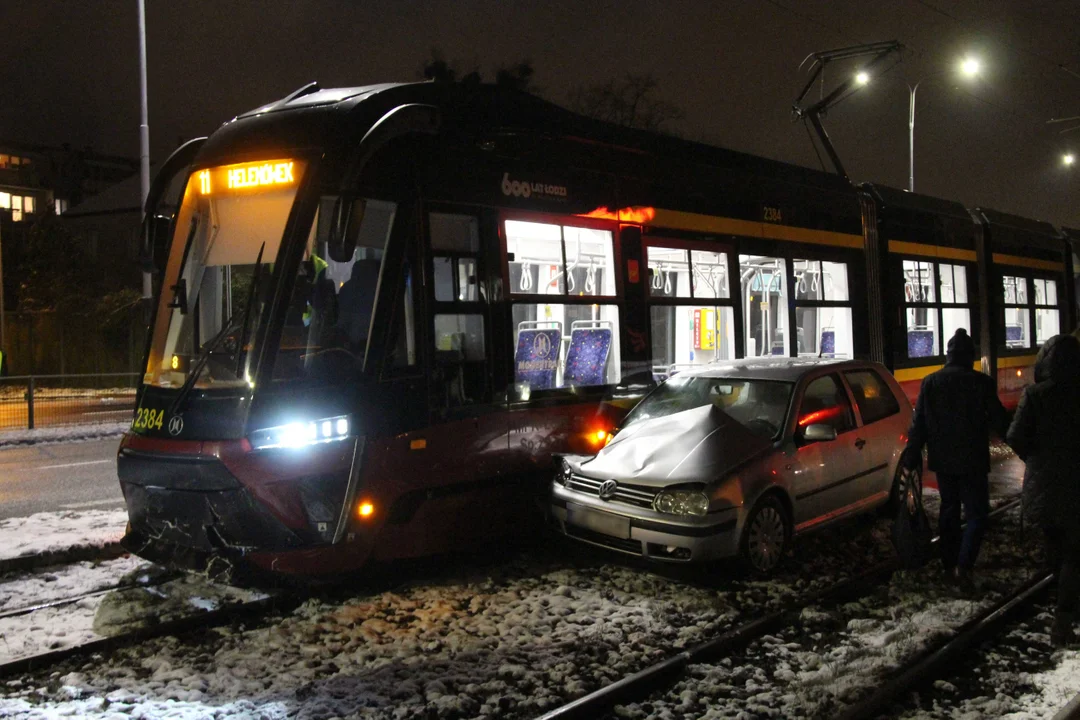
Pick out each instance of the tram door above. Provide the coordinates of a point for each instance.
(466, 440)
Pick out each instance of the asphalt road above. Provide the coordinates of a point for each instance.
(67, 476)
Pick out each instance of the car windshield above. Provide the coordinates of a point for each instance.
(758, 405)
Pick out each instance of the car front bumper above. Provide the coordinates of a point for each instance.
(645, 532)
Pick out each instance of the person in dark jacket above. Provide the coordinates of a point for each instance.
(1044, 434)
(957, 409)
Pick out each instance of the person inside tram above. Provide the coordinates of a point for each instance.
(355, 303)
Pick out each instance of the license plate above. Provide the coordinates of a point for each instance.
(604, 523)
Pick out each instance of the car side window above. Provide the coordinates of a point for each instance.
(826, 403)
(873, 396)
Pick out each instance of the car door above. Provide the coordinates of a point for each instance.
(825, 471)
(881, 428)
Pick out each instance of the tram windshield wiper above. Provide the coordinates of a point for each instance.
(234, 322)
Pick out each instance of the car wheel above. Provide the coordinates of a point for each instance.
(765, 537)
(902, 482)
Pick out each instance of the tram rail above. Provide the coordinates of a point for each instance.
(661, 674)
(26, 563)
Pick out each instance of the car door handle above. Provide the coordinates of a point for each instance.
(859, 442)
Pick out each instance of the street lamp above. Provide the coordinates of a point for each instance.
(969, 67)
(1068, 159)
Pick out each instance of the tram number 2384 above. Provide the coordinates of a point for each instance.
(148, 419)
(772, 214)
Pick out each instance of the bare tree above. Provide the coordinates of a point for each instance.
(629, 101)
(518, 75)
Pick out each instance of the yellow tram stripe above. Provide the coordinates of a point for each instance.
(918, 373)
(678, 220)
(1018, 361)
(1003, 259)
(902, 247)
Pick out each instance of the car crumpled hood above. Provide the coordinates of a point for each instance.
(699, 445)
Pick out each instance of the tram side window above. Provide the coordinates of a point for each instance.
(822, 327)
(765, 303)
(1047, 318)
(1015, 292)
(559, 345)
(460, 358)
(329, 316)
(936, 305)
(455, 243)
(561, 340)
(690, 328)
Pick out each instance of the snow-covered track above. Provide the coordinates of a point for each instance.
(25, 563)
(1070, 711)
(640, 684)
(193, 622)
(26, 610)
(935, 662)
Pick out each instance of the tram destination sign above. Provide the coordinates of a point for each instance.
(246, 176)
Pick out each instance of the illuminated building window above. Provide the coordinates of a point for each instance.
(5, 200)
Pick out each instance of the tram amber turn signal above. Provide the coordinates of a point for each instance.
(365, 510)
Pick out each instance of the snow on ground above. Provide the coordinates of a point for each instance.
(1020, 677)
(517, 635)
(512, 640)
(65, 434)
(113, 613)
(58, 531)
(838, 654)
(54, 583)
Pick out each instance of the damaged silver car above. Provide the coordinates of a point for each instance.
(736, 459)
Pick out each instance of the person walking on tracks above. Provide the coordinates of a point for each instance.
(956, 410)
(1045, 435)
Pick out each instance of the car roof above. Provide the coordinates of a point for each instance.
(784, 369)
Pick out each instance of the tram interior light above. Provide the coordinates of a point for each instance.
(300, 434)
(1068, 159)
(862, 77)
(970, 67)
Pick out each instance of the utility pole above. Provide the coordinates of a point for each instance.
(144, 148)
(3, 347)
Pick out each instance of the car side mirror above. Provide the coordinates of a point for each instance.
(819, 432)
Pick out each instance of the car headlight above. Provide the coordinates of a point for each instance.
(300, 434)
(681, 502)
(562, 472)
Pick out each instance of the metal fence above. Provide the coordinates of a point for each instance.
(29, 401)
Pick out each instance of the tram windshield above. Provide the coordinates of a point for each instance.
(217, 279)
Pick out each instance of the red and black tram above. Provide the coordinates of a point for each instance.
(383, 309)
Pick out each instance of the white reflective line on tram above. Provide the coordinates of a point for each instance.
(67, 465)
(91, 503)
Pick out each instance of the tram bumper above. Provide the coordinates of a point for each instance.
(189, 503)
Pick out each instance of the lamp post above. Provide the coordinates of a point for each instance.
(969, 68)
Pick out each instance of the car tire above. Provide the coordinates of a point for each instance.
(899, 489)
(765, 537)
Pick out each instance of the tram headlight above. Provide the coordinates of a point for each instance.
(301, 434)
(681, 502)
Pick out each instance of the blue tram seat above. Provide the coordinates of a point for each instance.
(828, 343)
(586, 359)
(920, 343)
(1014, 336)
(536, 359)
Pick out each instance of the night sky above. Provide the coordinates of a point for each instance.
(69, 71)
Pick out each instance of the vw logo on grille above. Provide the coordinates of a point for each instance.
(176, 425)
(607, 489)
